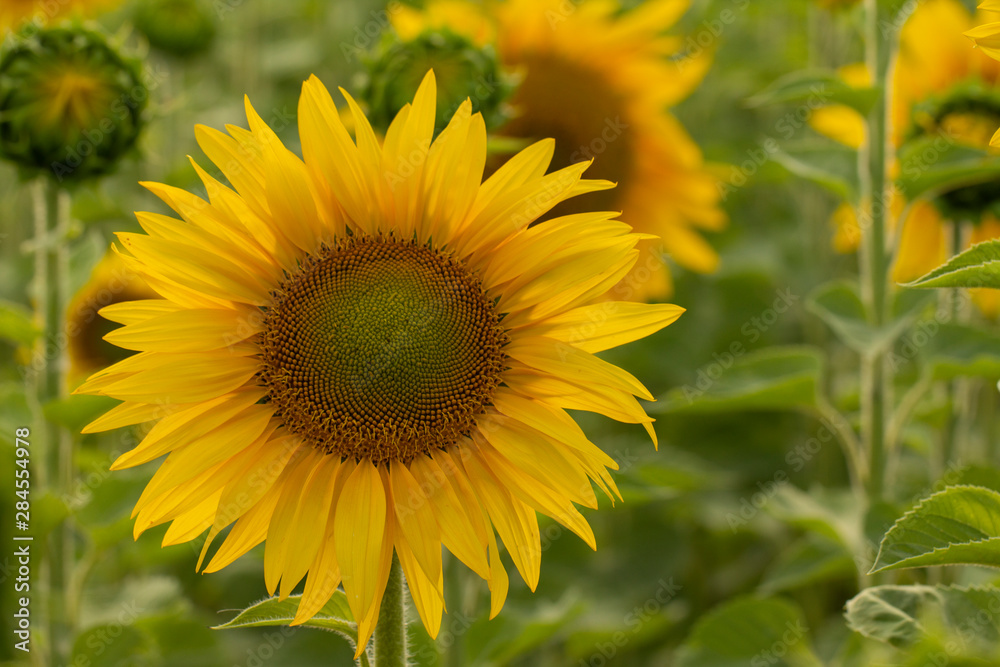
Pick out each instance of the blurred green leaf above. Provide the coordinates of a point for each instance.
(511, 635)
(817, 88)
(76, 411)
(749, 631)
(17, 324)
(811, 560)
(932, 165)
(902, 615)
(115, 645)
(959, 525)
(777, 378)
(827, 163)
(840, 306)
(957, 350)
(979, 266)
(831, 513)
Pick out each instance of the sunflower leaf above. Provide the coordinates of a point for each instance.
(335, 616)
(765, 631)
(825, 162)
(958, 525)
(932, 165)
(839, 304)
(979, 266)
(815, 88)
(777, 378)
(904, 615)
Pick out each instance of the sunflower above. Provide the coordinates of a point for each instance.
(110, 283)
(14, 13)
(600, 80)
(371, 350)
(940, 86)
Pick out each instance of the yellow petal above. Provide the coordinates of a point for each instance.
(358, 531)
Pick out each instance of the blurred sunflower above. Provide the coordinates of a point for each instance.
(941, 86)
(372, 350)
(14, 13)
(110, 283)
(599, 80)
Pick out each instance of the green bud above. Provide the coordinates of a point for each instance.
(179, 27)
(462, 69)
(70, 104)
(967, 114)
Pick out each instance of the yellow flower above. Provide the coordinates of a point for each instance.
(600, 81)
(110, 283)
(14, 13)
(370, 349)
(940, 85)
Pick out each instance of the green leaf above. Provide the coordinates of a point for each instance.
(17, 324)
(979, 266)
(817, 88)
(959, 525)
(956, 351)
(335, 616)
(777, 378)
(749, 631)
(903, 615)
(812, 560)
(840, 306)
(933, 165)
(827, 163)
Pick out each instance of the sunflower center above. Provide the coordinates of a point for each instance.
(381, 349)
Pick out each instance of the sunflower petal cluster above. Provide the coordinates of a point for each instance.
(371, 350)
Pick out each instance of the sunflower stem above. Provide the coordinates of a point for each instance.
(390, 631)
(876, 376)
(47, 378)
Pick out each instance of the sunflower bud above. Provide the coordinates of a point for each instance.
(70, 104)
(967, 115)
(464, 70)
(179, 27)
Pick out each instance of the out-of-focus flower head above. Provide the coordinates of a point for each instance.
(941, 87)
(600, 80)
(70, 103)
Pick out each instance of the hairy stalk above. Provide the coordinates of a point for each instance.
(390, 631)
(876, 375)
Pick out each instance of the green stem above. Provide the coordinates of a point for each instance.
(954, 389)
(876, 376)
(390, 631)
(52, 287)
